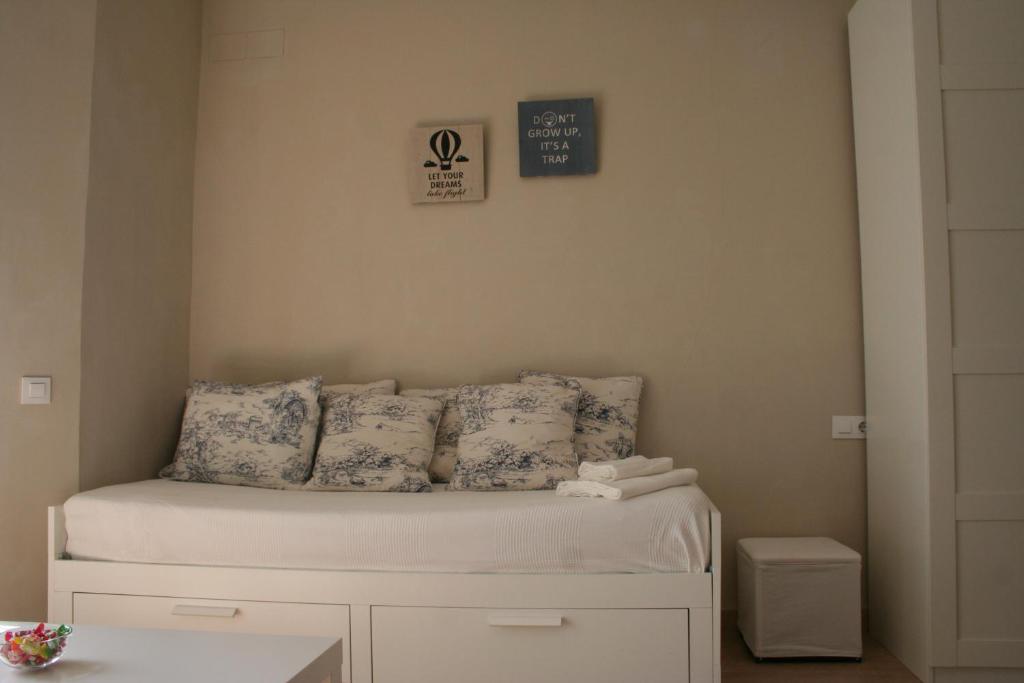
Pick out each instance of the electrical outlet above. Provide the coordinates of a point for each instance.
(849, 427)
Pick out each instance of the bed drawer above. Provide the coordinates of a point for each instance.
(452, 645)
(190, 614)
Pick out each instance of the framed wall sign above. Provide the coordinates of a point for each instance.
(556, 137)
(446, 164)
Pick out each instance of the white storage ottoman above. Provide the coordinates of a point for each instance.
(799, 597)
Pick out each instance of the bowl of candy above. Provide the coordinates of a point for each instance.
(33, 648)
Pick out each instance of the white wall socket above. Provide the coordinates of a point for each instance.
(849, 427)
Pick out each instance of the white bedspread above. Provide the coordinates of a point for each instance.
(171, 522)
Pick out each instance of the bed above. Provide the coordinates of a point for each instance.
(525, 586)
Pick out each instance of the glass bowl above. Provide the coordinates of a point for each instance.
(33, 648)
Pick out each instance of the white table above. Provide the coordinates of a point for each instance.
(99, 654)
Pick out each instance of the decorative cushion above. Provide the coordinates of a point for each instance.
(515, 437)
(608, 413)
(384, 387)
(446, 442)
(252, 435)
(371, 442)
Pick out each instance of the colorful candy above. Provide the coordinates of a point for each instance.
(34, 648)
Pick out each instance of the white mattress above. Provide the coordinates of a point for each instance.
(169, 522)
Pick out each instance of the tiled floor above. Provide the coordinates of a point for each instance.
(738, 666)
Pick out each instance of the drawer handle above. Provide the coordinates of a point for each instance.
(204, 611)
(547, 620)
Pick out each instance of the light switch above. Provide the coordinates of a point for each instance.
(35, 390)
(849, 427)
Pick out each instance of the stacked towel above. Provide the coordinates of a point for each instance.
(621, 489)
(627, 468)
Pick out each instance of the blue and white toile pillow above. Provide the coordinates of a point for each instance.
(384, 387)
(515, 437)
(372, 442)
(608, 413)
(260, 435)
(446, 441)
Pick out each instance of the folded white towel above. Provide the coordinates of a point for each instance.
(627, 488)
(627, 468)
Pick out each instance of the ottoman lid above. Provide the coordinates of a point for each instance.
(800, 550)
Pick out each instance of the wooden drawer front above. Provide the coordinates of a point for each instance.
(455, 645)
(239, 616)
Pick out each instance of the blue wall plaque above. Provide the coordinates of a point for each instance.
(556, 137)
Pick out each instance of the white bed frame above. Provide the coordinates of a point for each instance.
(320, 602)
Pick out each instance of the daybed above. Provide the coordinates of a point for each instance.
(441, 586)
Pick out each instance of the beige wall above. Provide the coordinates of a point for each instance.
(46, 53)
(95, 249)
(715, 252)
(138, 238)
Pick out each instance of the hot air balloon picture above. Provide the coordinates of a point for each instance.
(445, 143)
(447, 164)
